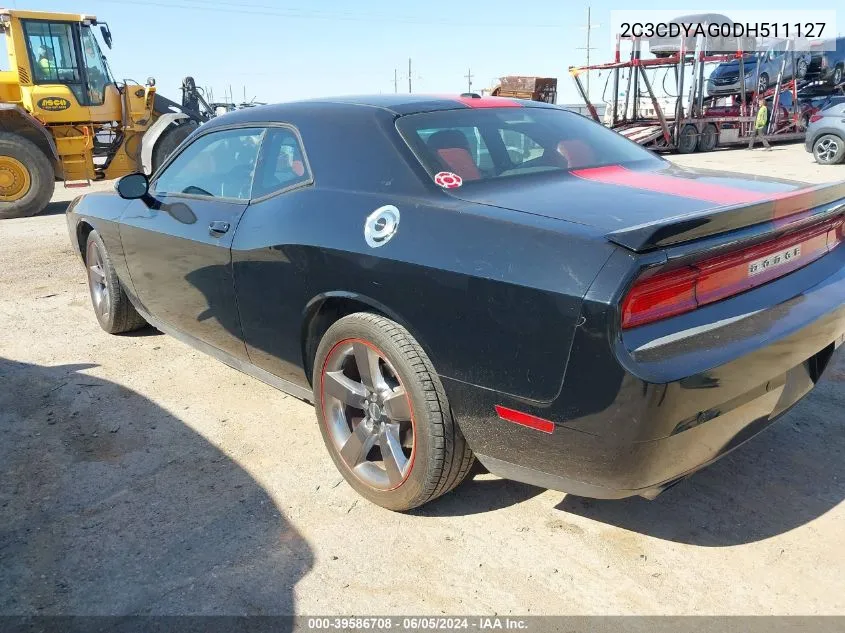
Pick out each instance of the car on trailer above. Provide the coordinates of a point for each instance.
(761, 70)
(583, 316)
(828, 61)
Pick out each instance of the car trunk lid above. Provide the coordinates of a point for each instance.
(645, 209)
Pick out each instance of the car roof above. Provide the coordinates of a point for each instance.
(397, 104)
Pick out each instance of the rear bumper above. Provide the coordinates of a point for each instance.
(617, 435)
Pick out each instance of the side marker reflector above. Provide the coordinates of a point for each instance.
(525, 419)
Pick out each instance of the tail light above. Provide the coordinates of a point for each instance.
(815, 117)
(658, 295)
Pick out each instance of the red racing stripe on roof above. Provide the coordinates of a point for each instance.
(683, 187)
(489, 102)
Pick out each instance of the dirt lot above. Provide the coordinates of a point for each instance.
(139, 476)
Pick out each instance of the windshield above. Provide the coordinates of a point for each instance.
(479, 144)
(95, 67)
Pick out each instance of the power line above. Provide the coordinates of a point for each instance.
(268, 10)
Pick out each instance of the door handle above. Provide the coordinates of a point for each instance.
(217, 229)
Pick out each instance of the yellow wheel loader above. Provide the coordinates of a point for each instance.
(64, 118)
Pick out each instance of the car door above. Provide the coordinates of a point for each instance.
(178, 241)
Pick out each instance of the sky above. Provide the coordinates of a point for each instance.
(284, 50)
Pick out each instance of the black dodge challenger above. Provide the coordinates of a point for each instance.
(456, 278)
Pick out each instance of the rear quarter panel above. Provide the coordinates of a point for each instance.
(492, 298)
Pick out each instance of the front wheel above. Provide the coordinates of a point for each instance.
(763, 83)
(837, 76)
(384, 415)
(27, 179)
(114, 312)
(829, 149)
(802, 68)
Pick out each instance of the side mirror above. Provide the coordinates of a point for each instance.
(132, 186)
(106, 33)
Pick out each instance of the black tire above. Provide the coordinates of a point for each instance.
(688, 140)
(803, 122)
(837, 76)
(829, 149)
(119, 315)
(42, 178)
(170, 139)
(440, 457)
(801, 70)
(709, 138)
(762, 83)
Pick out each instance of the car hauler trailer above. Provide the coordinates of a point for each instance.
(698, 126)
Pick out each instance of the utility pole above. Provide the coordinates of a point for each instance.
(469, 79)
(395, 80)
(409, 75)
(590, 26)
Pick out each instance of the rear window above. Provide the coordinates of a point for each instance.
(481, 144)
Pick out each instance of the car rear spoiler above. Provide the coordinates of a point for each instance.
(783, 211)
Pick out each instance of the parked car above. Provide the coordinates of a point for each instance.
(583, 316)
(828, 65)
(668, 46)
(724, 79)
(826, 135)
(812, 105)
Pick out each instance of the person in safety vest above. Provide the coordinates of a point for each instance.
(760, 127)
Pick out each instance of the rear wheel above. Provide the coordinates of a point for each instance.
(688, 140)
(763, 83)
(837, 76)
(801, 70)
(384, 415)
(27, 180)
(112, 308)
(829, 149)
(170, 139)
(709, 138)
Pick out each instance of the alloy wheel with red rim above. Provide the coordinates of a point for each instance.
(368, 415)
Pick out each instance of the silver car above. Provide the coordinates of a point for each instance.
(826, 135)
(668, 46)
(724, 80)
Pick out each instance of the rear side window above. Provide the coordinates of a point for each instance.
(481, 144)
(281, 164)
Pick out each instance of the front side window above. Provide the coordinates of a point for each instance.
(515, 142)
(52, 50)
(281, 164)
(216, 165)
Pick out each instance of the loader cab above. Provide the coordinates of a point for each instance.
(67, 53)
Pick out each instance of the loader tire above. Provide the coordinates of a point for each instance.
(170, 139)
(27, 179)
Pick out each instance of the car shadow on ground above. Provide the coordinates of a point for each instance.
(110, 505)
(786, 477)
(479, 493)
(55, 208)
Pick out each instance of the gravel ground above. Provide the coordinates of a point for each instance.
(140, 476)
